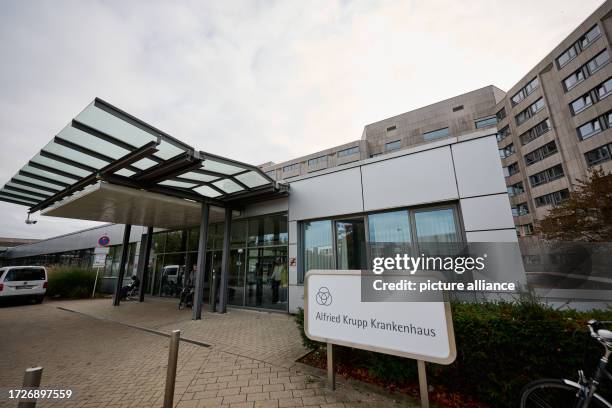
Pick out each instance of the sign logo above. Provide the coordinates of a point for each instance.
(323, 296)
(104, 240)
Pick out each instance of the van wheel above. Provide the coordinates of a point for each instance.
(39, 299)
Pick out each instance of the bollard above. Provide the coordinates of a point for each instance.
(331, 367)
(31, 379)
(423, 384)
(175, 338)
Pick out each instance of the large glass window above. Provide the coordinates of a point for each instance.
(350, 244)
(436, 226)
(484, 122)
(318, 245)
(270, 230)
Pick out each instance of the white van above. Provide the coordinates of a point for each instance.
(27, 281)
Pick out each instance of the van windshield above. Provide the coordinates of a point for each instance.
(25, 274)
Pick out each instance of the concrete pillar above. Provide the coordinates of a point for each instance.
(122, 265)
(201, 265)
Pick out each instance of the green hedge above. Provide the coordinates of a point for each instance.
(70, 282)
(500, 348)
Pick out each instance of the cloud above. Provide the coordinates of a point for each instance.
(256, 81)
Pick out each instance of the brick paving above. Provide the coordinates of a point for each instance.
(113, 365)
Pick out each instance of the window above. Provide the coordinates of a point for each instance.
(392, 145)
(503, 133)
(436, 134)
(535, 132)
(436, 226)
(541, 153)
(524, 229)
(552, 199)
(507, 151)
(516, 189)
(599, 155)
(318, 245)
(546, 176)
(393, 226)
(458, 108)
(589, 129)
(588, 69)
(577, 47)
(529, 112)
(291, 167)
(525, 91)
(501, 114)
(271, 173)
(511, 170)
(340, 243)
(391, 128)
(599, 61)
(581, 103)
(484, 122)
(320, 161)
(520, 209)
(348, 152)
(590, 98)
(604, 89)
(25, 274)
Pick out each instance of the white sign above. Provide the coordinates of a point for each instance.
(101, 250)
(99, 260)
(334, 313)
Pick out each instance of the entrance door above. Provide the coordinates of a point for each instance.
(266, 278)
(350, 244)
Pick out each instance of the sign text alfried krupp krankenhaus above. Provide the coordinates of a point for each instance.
(376, 324)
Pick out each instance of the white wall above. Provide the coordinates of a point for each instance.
(467, 172)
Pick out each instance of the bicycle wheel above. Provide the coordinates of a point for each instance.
(556, 394)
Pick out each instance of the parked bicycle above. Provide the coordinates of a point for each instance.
(186, 297)
(561, 393)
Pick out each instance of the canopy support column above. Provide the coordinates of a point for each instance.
(225, 261)
(122, 265)
(143, 261)
(201, 265)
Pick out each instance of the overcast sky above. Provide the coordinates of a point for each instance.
(255, 81)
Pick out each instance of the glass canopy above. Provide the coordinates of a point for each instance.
(104, 143)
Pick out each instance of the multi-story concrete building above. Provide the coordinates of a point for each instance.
(552, 126)
(554, 123)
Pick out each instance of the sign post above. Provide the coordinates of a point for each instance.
(335, 314)
(100, 252)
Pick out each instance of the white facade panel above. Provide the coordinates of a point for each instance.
(325, 196)
(478, 167)
(487, 213)
(505, 235)
(418, 178)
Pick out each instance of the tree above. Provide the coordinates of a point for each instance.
(586, 215)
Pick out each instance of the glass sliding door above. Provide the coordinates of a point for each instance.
(350, 244)
(266, 278)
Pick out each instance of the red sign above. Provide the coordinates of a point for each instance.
(292, 262)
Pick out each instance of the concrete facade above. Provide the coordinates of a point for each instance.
(571, 148)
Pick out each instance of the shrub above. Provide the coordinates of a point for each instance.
(500, 348)
(70, 282)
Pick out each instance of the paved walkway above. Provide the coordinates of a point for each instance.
(250, 361)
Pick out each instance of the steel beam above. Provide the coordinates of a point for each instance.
(143, 260)
(225, 261)
(122, 265)
(201, 265)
